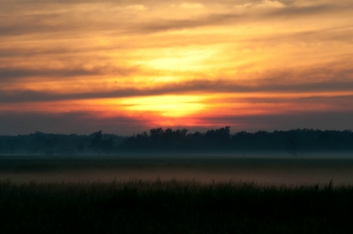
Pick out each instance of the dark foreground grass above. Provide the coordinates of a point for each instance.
(173, 207)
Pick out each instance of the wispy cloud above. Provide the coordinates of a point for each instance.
(9, 75)
(136, 7)
(66, 123)
(252, 57)
(191, 87)
(46, 20)
(286, 121)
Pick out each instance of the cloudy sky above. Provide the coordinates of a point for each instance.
(125, 66)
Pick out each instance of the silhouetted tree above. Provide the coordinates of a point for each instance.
(80, 147)
(95, 144)
(219, 138)
(174, 139)
(49, 146)
(293, 142)
(11, 144)
(156, 136)
(101, 145)
(196, 140)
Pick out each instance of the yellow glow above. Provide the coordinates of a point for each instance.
(118, 59)
(179, 59)
(167, 105)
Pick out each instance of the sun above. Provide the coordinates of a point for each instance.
(165, 105)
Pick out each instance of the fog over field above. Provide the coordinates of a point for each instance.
(285, 170)
(294, 157)
(179, 116)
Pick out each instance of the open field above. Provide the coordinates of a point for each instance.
(275, 171)
(173, 207)
(156, 195)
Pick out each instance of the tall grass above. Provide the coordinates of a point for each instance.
(173, 206)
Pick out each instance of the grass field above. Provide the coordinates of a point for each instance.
(191, 195)
(275, 171)
(173, 207)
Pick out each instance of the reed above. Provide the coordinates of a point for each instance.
(173, 206)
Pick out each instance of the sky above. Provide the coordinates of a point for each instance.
(124, 67)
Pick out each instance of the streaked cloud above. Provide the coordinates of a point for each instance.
(203, 63)
(136, 7)
(192, 87)
(9, 74)
(191, 5)
(14, 123)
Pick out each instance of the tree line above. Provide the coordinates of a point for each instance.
(158, 139)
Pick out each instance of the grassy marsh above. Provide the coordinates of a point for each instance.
(173, 206)
(270, 171)
(149, 195)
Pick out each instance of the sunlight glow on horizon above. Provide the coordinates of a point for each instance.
(169, 105)
(252, 64)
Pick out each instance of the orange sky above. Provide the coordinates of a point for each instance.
(127, 66)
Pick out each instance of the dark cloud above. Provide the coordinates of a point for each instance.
(197, 86)
(68, 24)
(48, 32)
(9, 74)
(339, 101)
(14, 123)
(59, 50)
(338, 34)
(55, 21)
(233, 18)
(40, 23)
(158, 25)
(295, 11)
(324, 120)
(131, 2)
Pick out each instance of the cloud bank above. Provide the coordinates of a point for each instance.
(256, 64)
